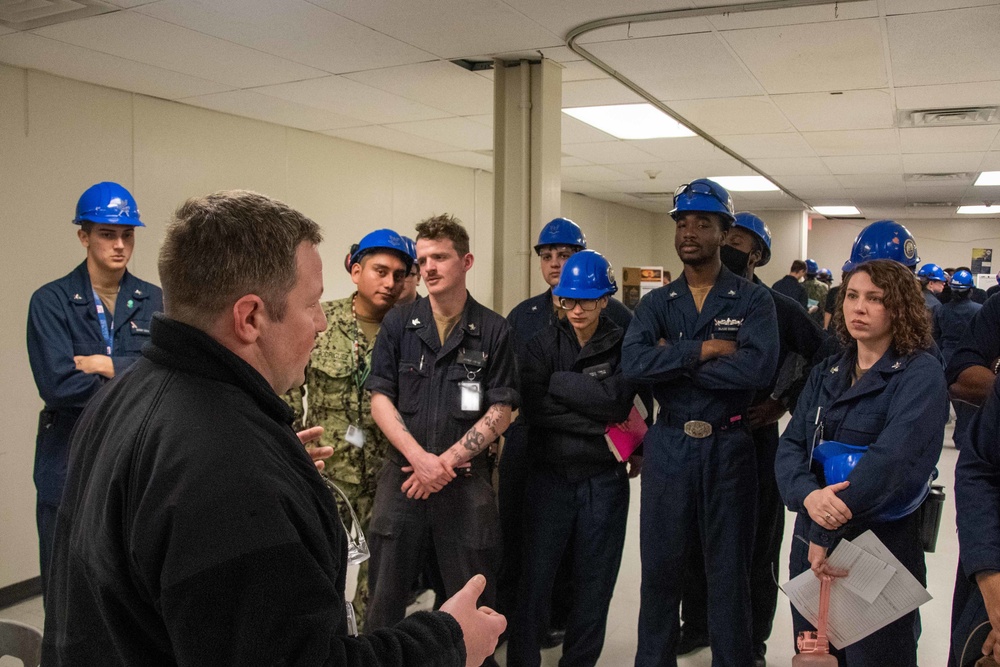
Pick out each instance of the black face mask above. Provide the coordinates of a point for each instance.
(734, 260)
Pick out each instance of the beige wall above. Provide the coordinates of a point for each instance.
(58, 136)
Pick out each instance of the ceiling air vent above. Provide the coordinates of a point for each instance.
(945, 117)
(932, 204)
(950, 177)
(20, 15)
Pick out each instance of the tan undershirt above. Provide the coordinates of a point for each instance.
(368, 327)
(108, 298)
(445, 325)
(700, 294)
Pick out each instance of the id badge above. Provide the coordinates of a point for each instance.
(355, 436)
(472, 396)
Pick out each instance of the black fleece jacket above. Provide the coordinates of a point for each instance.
(195, 530)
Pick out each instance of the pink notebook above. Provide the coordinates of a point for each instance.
(625, 438)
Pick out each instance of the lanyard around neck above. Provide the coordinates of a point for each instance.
(106, 325)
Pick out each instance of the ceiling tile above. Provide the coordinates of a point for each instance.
(793, 16)
(464, 159)
(991, 161)
(796, 61)
(484, 119)
(864, 164)
(945, 46)
(864, 198)
(561, 54)
(853, 142)
(605, 152)
(581, 70)
(597, 92)
(860, 181)
(5, 30)
(24, 49)
(847, 110)
(592, 173)
(292, 29)
(922, 192)
(437, 84)
(768, 145)
(134, 36)
(739, 115)
(939, 163)
(667, 174)
(805, 166)
(350, 98)
(681, 148)
(561, 16)
(916, 6)
(946, 139)
(675, 68)
(129, 3)
(981, 93)
(810, 182)
(578, 132)
(570, 161)
(273, 110)
(449, 28)
(459, 132)
(643, 29)
(387, 137)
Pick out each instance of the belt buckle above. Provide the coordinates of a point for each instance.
(697, 429)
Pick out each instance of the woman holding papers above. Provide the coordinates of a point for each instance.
(573, 389)
(861, 448)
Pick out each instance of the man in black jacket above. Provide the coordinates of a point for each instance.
(194, 528)
(790, 285)
(573, 389)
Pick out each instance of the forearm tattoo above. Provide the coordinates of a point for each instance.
(474, 441)
(399, 418)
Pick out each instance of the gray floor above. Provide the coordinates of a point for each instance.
(619, 649)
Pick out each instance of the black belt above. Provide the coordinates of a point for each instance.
(697, 428)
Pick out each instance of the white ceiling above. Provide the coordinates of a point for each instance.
(810, 96)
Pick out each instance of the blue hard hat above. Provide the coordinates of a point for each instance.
(107, 203)
(382, 239)
(752, 223)
(961, 281)
(826, 275)
(411, 247)
(839, 460)
(586, 275)
(932, 272)
(884, 239)
(561, 231)
(812, 268)
(705, 196)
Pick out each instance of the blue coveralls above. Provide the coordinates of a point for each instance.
(708, 482)
(421, 377)
(950, 321)
(977, 505)
(897, 409)
(979, 347)
(527, 319)
(62, 323)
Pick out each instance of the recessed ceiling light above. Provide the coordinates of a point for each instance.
(744, 183)
(630, 121)
(979, 210)
(837, 210)
(988, 178)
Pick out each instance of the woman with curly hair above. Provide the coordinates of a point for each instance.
(886, 397)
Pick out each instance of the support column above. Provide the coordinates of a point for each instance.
(527, 156)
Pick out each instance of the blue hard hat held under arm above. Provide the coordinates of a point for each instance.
(586, 275)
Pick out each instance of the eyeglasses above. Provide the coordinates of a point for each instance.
(702, 189)
(357, 546)
(585, 304)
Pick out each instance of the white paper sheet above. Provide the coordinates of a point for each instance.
(868, 574)
(851, 618)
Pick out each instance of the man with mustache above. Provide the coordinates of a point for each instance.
(84, 329)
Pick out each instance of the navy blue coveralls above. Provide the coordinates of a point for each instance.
(579, 492)
(977, 504)
(798, 335)
(421, 377)
(62, 323)
(897, 409)
(708, 482)
(950, 320)
(527, 319)
(980, 346)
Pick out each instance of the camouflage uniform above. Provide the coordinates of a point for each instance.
(817, 292)
(333, 400)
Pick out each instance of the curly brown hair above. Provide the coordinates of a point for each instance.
(445, 226)
(909, 321)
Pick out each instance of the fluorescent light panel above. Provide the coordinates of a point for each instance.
(744, 183)
(837, 210)
(979, 210)
(630, 121)
(988, 178)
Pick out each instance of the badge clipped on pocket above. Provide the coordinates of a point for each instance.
(472, 396)
(355, 436)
